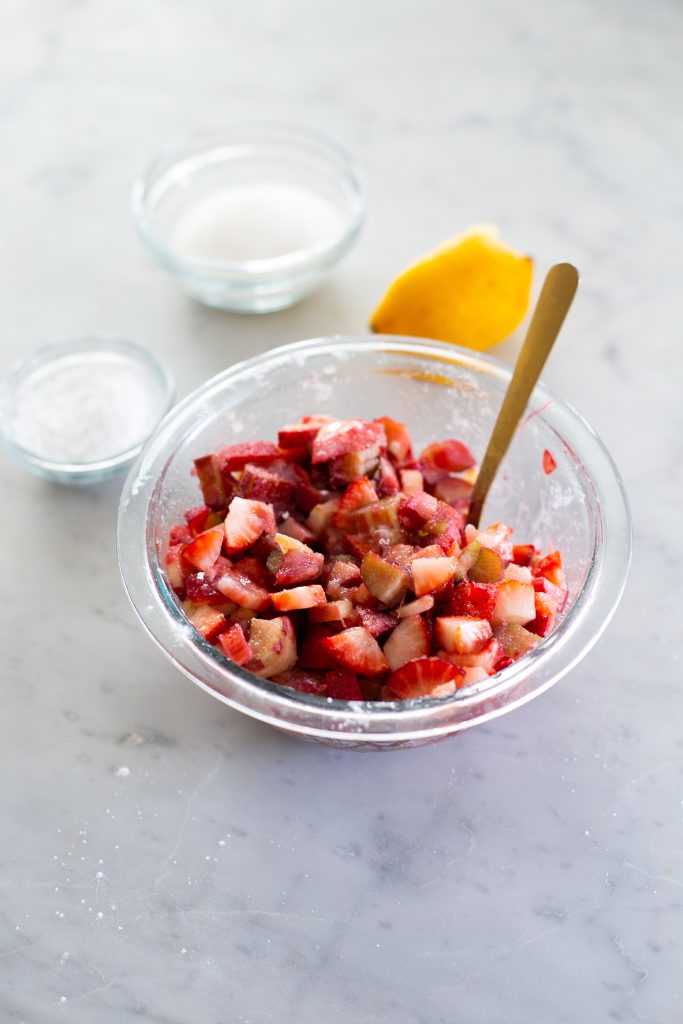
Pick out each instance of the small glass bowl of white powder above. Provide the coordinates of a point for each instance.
(251, 220)
(79, 410)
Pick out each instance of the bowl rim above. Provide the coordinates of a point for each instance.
(83, 343)
(400, 720)
(299, 262)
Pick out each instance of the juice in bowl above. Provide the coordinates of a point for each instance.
(485, 632)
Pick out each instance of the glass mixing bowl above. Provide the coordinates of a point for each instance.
(440, 391)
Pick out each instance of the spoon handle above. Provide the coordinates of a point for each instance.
(552, 307)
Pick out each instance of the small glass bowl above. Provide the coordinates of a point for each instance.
(143, 369)
(243, 156)
(440, 391)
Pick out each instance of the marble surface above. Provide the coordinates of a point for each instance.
(164, 859)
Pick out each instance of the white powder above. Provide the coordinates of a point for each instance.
(254, 222)
(84, 408)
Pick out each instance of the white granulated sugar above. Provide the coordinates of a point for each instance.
(84, 408)
(258, 221)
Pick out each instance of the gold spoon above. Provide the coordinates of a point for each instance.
(552, 307)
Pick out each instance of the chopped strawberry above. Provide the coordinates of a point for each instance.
(245, 522)
(196, 519)
(348, 468)
(399, 442)
(236, 456)
(419, 607)
(299, 597)
(461, 634)
(429, 574)
(412, 481)
(211, 481)
(376, 622)
(444, 457)
(472, 675)
(200, 591)
(209, 621)
(301, 434)
(234, 646)
(544, 586)
(239, 587)
(385, 581)
(203, 551)
(410, 639)
(454, 491)
(475, 599)
(357, 495)
(343, 685)
(336, 612)
(299, 567)
(551, 568)
(546, 610)
(487, 658)
(518, 572)
(425, 677)
(357, 649)
(345, 437)
(273, 645)
(549, 464)
(514, 603)
(523, 553)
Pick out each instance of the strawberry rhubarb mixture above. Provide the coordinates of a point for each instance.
(339, 563)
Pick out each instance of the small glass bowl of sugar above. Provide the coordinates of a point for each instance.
(253, 219)
(79, 410)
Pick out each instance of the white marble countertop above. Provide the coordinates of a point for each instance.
(164, 859)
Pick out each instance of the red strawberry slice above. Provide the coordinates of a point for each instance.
(357, 495)
(545, 614)
(399, 442)
(357, 649)
(425, 677)
(487, 658)
(234, 646)
(551, 568)
(544, 586)
(340, 612)
(523, 553)
(444, 457)
(459, 634)
(411, 639)
(236, 456)
(343, 685)
(428, 574)
(209, 621)
(211, 481)
(299, 566)
(549, 464)
(514, 603)
(197, 519)
(376, 622)
(245, 522)
(344, 437)
(239, 587)
(203, 551)
(200, 591)
(475, 599)
(299, 597)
